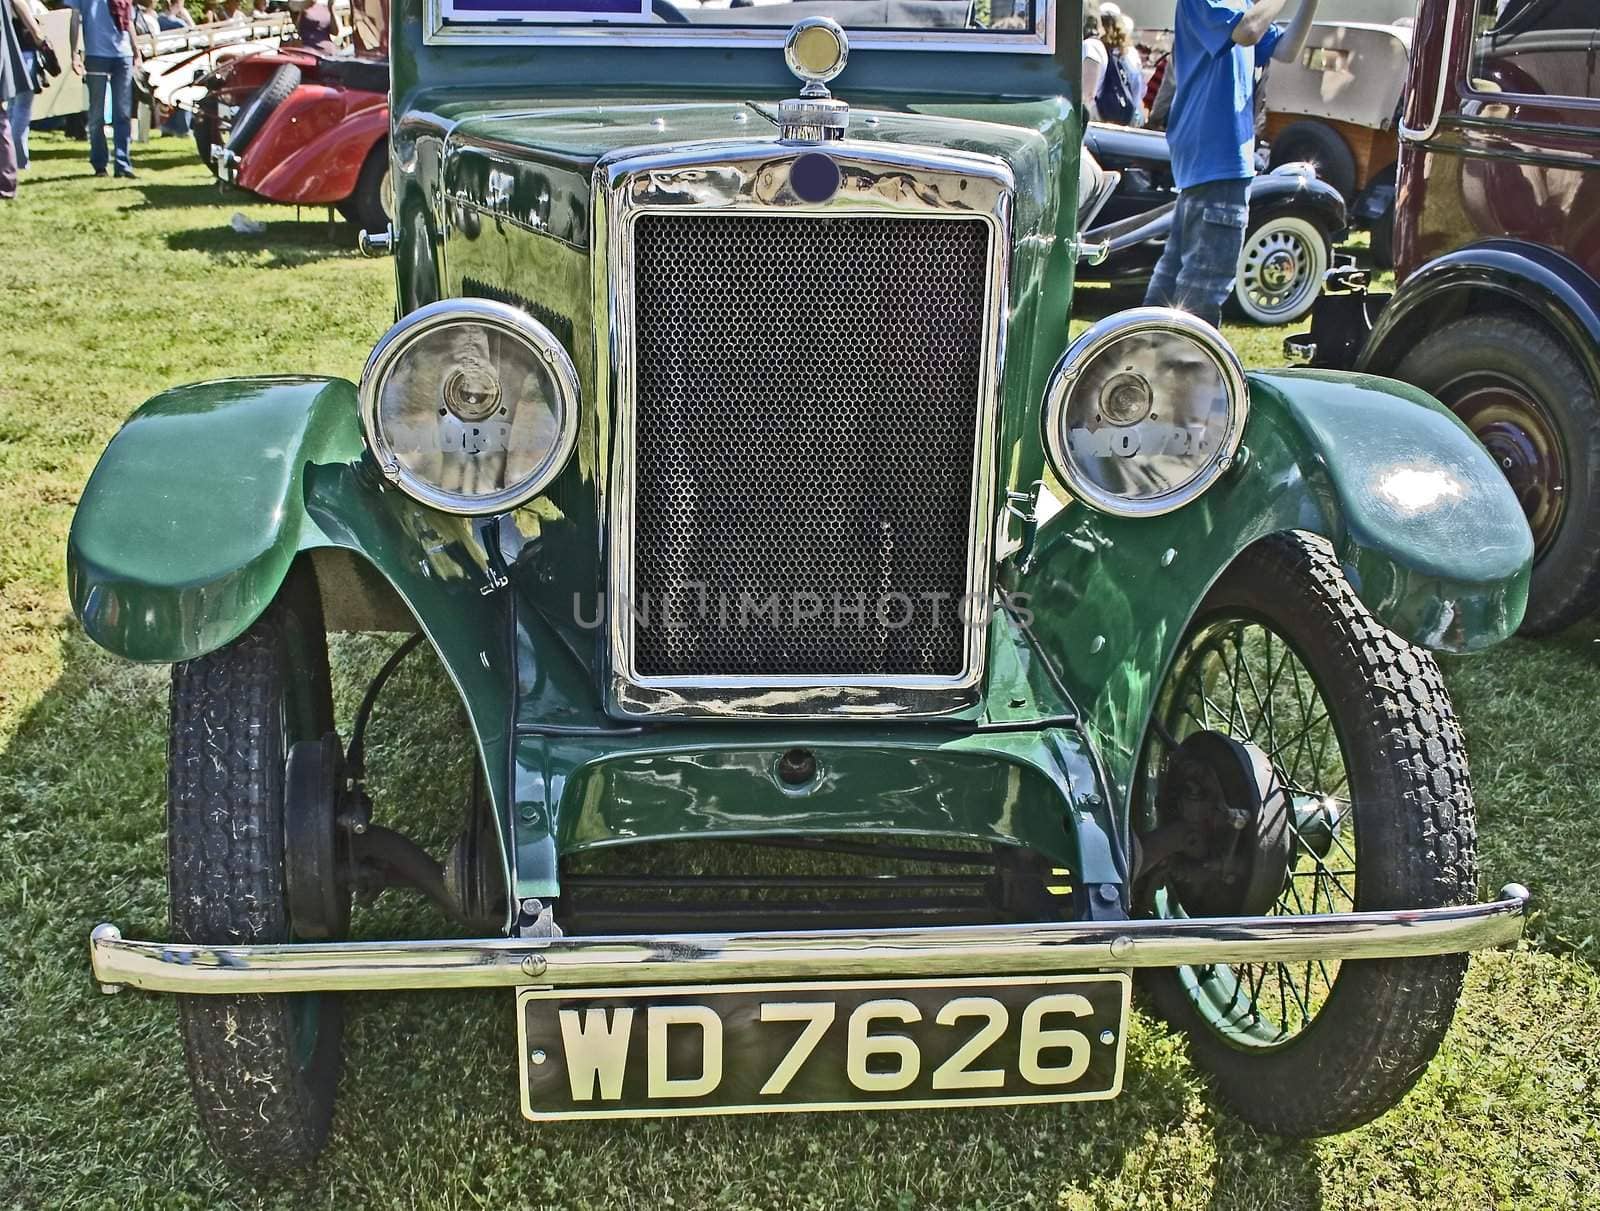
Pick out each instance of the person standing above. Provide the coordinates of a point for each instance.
(27, 31)
(317, 25)
(1217, 46)
(106, 60)
(12, 81)
(1094, 63)
(1122, 87)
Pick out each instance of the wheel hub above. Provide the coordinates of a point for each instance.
(315, 862)
(1524, 445)
(1225, 801)
(1278, 271)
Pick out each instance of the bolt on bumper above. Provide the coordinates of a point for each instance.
(820, 954)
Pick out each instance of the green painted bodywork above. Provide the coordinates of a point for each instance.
(170, 557)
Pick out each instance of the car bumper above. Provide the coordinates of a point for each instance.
(820, 954)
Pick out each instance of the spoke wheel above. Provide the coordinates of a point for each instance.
(1363, 743)
(1240, 677)
(1280, 269)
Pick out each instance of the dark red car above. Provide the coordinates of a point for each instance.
(1497, 256)
(301, 127)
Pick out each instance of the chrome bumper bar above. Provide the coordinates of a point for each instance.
(821, 954)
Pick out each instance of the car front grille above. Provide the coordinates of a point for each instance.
(806, 403)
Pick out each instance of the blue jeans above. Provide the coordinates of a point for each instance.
(102, 72)
(20, 111)
(1197, 267)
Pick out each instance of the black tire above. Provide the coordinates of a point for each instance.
(1471, 362)
(263, 1069)
(1314, 143)
(205, 135)
(255, 112)
(1377, 1023)
(364, 207)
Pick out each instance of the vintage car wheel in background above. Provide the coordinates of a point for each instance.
(1319, 145)
(1525, 396)
(205, 132)
(264, 1068)
(368, 207)
(255, 112)
(1280, 268)
(1365, 806)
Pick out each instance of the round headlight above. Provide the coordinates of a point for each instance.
(1144, 411)
(470, 406)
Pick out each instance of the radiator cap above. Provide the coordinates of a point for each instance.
(816, 51)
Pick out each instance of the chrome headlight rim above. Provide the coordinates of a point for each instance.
(1082, 352)
(493, 314)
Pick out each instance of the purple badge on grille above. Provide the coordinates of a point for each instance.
(814, 177)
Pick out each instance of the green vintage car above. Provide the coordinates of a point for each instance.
(869, 685)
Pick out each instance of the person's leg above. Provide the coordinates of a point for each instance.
(94, 75)
(1216, 219)
(122, 113)
(8, 158)
(20, 109)
(1163, 288)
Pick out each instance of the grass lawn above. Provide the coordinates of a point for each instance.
(114, 289)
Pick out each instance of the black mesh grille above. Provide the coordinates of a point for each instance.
(807, 396)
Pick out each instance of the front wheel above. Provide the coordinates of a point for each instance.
(1528, 400)
(1355, 797)
(1280, 270)
(368, 207)
(263, 1068)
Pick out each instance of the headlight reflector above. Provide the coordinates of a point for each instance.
(1145, 411)
(470, 406)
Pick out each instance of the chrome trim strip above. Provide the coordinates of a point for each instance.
(484, 30)
(821, 954)
(1089, 346)
(751, 179)
(1419, 134)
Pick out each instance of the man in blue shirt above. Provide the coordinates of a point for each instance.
(106, 60)
(1216, 49)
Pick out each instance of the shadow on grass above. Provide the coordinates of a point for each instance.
(428, 1099)
(284, 244)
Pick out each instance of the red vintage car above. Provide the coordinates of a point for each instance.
(1497, 256)
(297, 126)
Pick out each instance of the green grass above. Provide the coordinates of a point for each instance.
(114, 289)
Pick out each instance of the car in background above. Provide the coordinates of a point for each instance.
(1295, 219)
(1497, 260)
(305, 128)
(1336, 107)
(302, 128)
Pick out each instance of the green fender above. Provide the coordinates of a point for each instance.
(1425, 526)
(206, 497)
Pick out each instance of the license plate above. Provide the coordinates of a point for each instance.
(849, 1045)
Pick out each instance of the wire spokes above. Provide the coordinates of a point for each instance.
(1242, 679)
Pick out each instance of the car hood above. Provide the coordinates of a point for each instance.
(536, 163)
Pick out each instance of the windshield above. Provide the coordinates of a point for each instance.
(945, 21)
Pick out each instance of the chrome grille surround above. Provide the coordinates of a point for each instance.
(876, 181)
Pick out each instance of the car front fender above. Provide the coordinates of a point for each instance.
(1293, 189)
(1426, 528)
(1503, 275)
(205, 499)
(311, 150)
